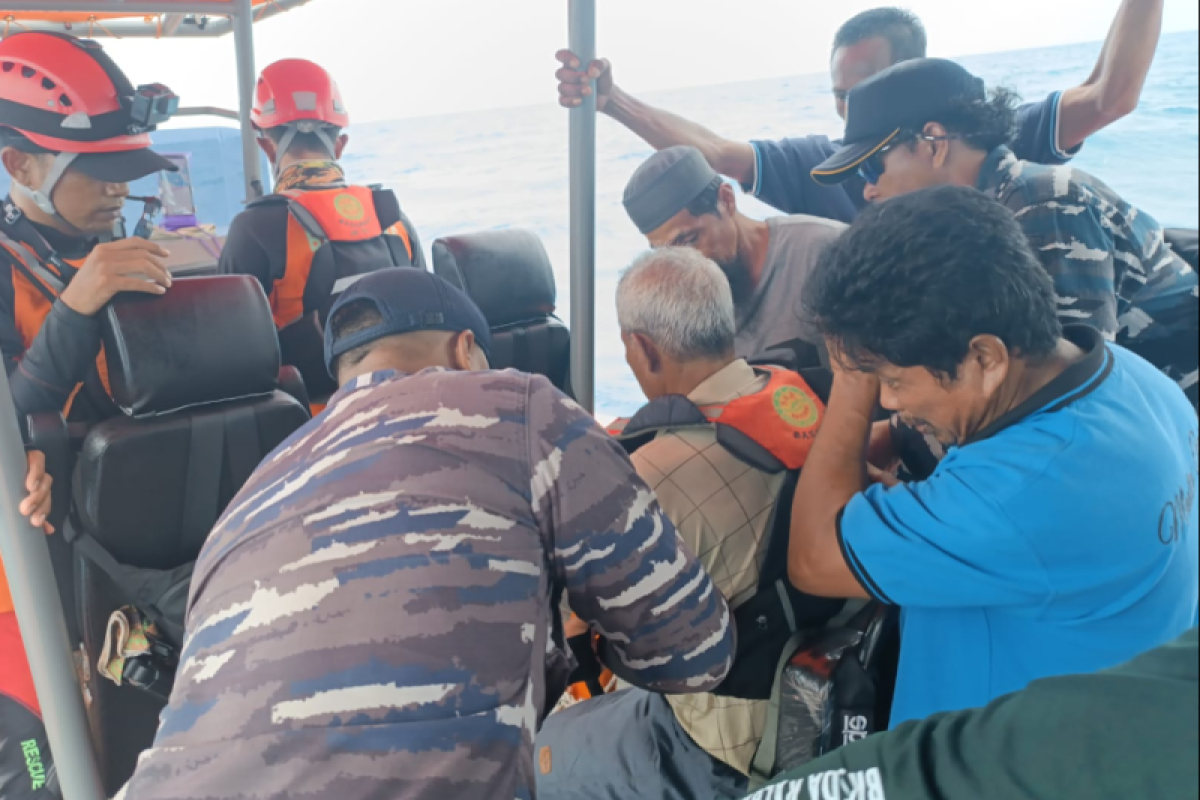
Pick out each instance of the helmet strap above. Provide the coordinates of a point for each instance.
(42, 196)
(320, 130)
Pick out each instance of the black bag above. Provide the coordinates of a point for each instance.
(161, 597)
(834, 690)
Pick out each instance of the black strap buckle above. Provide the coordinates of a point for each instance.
(153, 672)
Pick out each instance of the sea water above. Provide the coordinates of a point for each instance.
(508, 168)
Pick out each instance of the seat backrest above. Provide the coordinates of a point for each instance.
(509, 276)
(197, 374)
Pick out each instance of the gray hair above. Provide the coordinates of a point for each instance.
(680, 300)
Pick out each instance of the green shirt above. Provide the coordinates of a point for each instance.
(1128, 732)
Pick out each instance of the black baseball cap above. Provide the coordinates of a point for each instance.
(120, 166)
(904, 97)
(123, 167)
(409, 300)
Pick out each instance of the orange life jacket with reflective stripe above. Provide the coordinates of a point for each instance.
(32, 303)
(782, 418)
(332, 218)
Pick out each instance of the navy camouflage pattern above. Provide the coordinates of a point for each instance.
(1111, 265)
(375, 616)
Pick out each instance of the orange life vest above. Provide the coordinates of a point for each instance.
(16, 680)
(32, 302)
(340, 216)
(6, 603)
(782, 418)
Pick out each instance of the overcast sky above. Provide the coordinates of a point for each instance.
(401, 58)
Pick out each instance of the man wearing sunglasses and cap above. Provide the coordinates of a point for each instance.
(386, 586)
(73, 133)
(929, 122)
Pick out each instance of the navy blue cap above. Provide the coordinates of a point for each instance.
(409, 300)
(907, 96)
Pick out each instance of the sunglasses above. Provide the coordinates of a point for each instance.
(872, 169)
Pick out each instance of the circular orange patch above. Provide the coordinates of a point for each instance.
(349, 207)
(796, 408)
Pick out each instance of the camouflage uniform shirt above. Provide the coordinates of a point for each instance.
(374, 616)
(1111, 265)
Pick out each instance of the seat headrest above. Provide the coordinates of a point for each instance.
(205, 341)
(507, 273)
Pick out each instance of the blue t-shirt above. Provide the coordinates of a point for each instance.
(1061, 540)
(783, 174)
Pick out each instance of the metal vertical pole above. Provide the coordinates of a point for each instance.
(243, 42)
(583, 213)
(40, 617)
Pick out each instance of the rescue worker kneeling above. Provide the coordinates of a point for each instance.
(711, 416)
(316, 234)
(376, 613)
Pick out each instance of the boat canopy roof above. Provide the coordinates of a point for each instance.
(133, 18)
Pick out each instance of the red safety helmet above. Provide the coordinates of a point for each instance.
(297, 91)
(65, 95)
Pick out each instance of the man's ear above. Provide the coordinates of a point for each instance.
(940, 147)
(269, 148)
(647, 351)
(21, 166)
(339, 146)
(992, 359)
(728, 199)
(462, 350)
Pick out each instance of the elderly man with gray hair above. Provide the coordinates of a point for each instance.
(677, 319)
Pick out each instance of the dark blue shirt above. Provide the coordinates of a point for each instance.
(783, 169)
(1060, 540)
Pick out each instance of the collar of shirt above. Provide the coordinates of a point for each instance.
(1074, 383)
(996, 171)
(736, 380)
(375, 378)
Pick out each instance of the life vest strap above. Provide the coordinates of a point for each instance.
(772, 430)
(25, 260)
(33, 267)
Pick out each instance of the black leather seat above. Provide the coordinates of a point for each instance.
(508, 275)
(195, 373)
